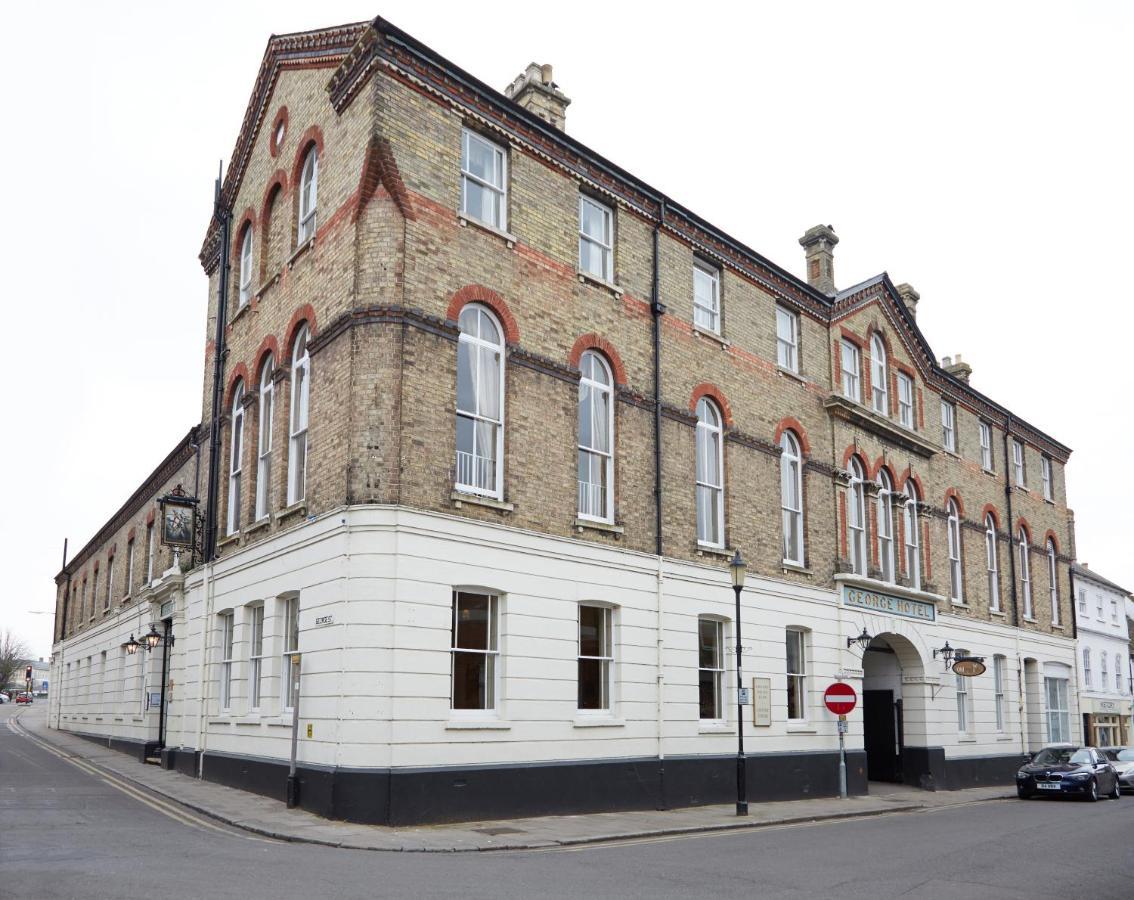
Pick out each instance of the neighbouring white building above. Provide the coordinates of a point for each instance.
(1104, 658)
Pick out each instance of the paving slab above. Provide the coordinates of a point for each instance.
(271, 818)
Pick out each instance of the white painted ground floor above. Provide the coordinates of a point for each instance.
(451, 666)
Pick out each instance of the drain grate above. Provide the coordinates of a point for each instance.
(498, 830)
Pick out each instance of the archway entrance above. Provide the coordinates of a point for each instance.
(882, 719)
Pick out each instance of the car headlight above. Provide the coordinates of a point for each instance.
(1081, 776)
(1021, 774)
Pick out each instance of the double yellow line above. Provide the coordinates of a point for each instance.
(165, 807)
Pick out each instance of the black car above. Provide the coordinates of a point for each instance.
(1066, 770)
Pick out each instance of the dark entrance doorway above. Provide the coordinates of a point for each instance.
(882, 712)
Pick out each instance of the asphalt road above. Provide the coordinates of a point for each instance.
(67, 831)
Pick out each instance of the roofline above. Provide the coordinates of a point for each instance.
(136, 500)
(1080, 571)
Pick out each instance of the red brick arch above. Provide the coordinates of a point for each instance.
(313, 135)
(247, 218)
(879, 465)
(239, 372)
(1050, 536)
(793, 425)
(478, 293)
(1022, 523)
(954, 495)
(990, 510)
(305, 314)
(280, 116)
(854, 451)
(909, 476)
(593, 341)
(876, 329)
(707, 389)
(277, 179)
(268, 345)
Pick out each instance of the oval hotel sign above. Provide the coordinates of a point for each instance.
(889, 604)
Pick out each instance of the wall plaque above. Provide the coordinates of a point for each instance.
(762, 701)
(888, 604)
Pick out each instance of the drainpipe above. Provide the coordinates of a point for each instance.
(658, 311)
(1011, 531)
(224, 217)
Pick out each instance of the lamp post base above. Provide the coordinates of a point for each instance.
(742, 808)
(292, 791)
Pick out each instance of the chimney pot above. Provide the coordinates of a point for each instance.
(818, 244)
(909, 297)
(957, 367)
(535, 91)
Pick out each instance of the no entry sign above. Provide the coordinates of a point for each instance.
(840, 698)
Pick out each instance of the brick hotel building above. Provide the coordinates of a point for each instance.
(492, 416)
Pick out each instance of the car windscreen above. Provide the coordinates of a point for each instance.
(1123, 755)
(1056, 756)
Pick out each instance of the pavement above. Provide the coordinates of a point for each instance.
(270, 818)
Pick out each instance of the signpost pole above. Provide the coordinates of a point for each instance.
(841, 699)
(842, 763)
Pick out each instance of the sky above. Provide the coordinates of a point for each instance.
(979, 151)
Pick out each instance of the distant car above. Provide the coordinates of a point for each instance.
(3, 697)
(1122, 758)
(1067, 770)
(24, 697)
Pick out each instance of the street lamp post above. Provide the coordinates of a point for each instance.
(737, 569)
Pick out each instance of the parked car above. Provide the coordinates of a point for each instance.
(24, 697)
(1067, 770)
(1122, 758)
(3, 697)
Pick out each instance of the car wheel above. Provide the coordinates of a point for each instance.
(1022, 794)
(1092, 791)
(1116, 793)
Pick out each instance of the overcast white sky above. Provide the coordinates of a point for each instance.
(980, 151)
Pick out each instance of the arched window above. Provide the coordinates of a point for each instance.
(1025, 575)
(879, 377)
(246, 266)
(596, 439)
(236, 452)
(856, 518)
(297, 427)
(956, 585)
(1053, 583)
(480, 403)
(308, 196)
(264, 441)
(992, 561)
(913, 549)
(791, 498)
(885, 513)
(710, 481)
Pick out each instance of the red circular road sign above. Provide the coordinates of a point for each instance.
(840, 698)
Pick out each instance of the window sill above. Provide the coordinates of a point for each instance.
(223, 719)
(1031, 619)
(252, 720)
(789, 566)
(298, 508)
(989, 472)
(240, 312)
(1021, 489)
(282, 722)
(599, 722)
(802, 728)
(710, 335)
(585, 277)
(1005, 737)
(258, 525)
(598, 525)
(300, 250)
(1057, 625)
(710, 728)
(267, 286)
(959, 603)
(948, 452)
(459, 499)
(997, 612)
(509, 239)
(1049, 500)
(228, 540)
(966, 739)
(711, 550)
(788, 373)
(477, 725)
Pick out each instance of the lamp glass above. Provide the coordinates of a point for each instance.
(737, 569)
(152, 638)
(132, 646)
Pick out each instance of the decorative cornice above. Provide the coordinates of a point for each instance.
(676, 414)
(633, 398)
(383, 315)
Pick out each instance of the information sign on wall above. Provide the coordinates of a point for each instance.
(762, 701)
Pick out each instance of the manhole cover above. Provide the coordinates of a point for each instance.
(499, 829)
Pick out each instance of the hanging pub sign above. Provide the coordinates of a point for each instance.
(969, 666)
(178, 519)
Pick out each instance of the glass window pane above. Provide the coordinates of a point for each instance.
(591, 626)
(471, 622)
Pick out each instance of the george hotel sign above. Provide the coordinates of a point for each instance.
(885, 603)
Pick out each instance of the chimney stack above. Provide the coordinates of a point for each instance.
(957, 367)
(534, 90)
(818, 244)
(909, 297)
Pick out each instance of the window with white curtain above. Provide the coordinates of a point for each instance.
(856, 518)
(256, 655)
(998, 663)
(236, 455)
(300, 402)
(787, 339)
(992, 558)
(1058, 710)
(956, 580)
(484, 171)
(879, 377)
(851, 369)
(791, 498)
(1053, 581)
(1086, 667)
(1025, 575)
(308, 196)
(1118, 672)
(480, 403)
(906, 401)
(710, 475)
(1018, 462)
(264, 438)
(289, 611)
(948, 426)
(796, 674)
(1045, 474)
(226, 627)
(706, 297)
(596, 239)
(912, 537)
(1104, 671)
(985, 446)
(596, 439)
(884, 512)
